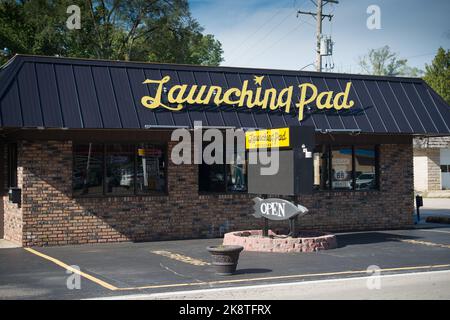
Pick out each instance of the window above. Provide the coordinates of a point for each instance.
(212, 178)
(445, 168)
(321, 167)
(12, 165)
(350, 167)
(118, 169)
(87, 176)
(365, 168)
(341, 168)
(221, 178)
(151, 168)
(237, 174)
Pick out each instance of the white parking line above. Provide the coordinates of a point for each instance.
(264, 286)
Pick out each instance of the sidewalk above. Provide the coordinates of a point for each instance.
(442, 204)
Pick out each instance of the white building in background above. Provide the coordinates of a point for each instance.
(432, 164)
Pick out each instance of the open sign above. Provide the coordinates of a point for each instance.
(276, 209)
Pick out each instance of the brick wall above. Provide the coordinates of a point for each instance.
(12, 220)
(52, 217)
(434, 169)
(433, 166)
(12, 213)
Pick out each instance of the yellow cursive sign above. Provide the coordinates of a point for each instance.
(182, 94)
(272, 138)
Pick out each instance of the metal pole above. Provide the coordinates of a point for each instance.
(265, 230)
(266, 227)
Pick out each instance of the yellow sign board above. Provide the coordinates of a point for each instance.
(272, 138)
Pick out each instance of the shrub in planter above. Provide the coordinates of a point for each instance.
(225, 258)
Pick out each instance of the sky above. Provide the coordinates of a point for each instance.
(268, 33)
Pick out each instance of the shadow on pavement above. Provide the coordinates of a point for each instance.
(434, 212)
(369, 238)
(252, 270)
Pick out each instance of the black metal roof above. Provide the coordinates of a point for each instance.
(52, 92)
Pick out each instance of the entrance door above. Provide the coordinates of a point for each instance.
(420, 173)
(445, 168)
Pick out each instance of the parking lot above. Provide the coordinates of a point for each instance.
(135, 268)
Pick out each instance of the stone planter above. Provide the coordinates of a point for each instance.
(225, 258)
(306, 241)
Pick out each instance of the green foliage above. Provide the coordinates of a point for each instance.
(437, 75)
(384, 62)
(140, 30)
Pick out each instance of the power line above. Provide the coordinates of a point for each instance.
(255, 32)
(265, 36)
(280, 39)
(275, 43)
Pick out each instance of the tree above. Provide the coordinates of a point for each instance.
(384, 62)
(437, 75)
(142, 30)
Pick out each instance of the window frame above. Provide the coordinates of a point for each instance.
(328, 186)
(12, 165)
(162, 145)
(328, 151)
(225, 171)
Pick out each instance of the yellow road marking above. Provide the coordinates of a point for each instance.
(67, 267)
(182, 258)
(425, 243)
(200, 283)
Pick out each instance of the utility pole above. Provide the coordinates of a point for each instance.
(319, 17)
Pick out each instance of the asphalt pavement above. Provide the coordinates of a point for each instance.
(168, 267)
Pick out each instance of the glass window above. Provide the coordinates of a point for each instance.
(321, 167)
(350, 167)
(87, 177)
(212, 177)
(119, 169)
(341, 168)
(151, 169)
(445, 168)
(237, 174)
(228, 177)
(365, 168)
(12, 165)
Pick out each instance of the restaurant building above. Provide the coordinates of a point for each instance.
(86, 148)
